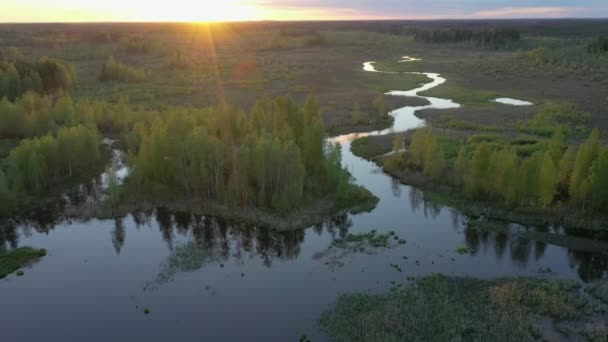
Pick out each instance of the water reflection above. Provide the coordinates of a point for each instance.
(505, 238)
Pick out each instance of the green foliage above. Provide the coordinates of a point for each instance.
(599, 181)
(38, 163)
(479, 174)
(494, 168)
(17, 258)
(139, 45)
(554, 117)
(273, 158)
(580, 185)
(598, 45)
(115, 71)
(548, 179)
(114, 189)
(380, 106)
(372, 239)
(367, 148)
(439, 308)
(45, 76)
(7, 199)
(398, 142)
(462, 250)
(180, 61)
(566, 165)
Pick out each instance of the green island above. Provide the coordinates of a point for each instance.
(15, 259)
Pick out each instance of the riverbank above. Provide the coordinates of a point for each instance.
(314, 213)
(570, 218)
(376, 148)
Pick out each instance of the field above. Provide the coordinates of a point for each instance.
(238, 63)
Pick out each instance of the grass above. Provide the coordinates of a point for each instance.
(368, 149)
(440, 308)
(372, 239)
(462, 95)
(15, 259)
(462, 250)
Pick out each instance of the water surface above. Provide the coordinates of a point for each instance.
(512, 102)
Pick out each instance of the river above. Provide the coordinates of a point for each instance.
(203, 279)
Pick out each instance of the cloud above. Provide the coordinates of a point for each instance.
(438, 9)
(528, 12)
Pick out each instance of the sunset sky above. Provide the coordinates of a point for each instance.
(229, 10)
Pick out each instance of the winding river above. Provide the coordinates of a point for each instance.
(206, 280)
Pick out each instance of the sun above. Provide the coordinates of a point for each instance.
(201, 10)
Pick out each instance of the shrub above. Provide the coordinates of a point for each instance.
(115, 71)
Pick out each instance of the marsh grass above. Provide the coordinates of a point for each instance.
(15, 259)
(440, 308)
(365, 148)
(372, 239)
(462, 95)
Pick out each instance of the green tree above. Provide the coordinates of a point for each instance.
(417, 147)
(599, 181)
(114, 187)
(529, 173)
(398, 142)
(566, 166)
(7, 200)
(556, 146)
(312, 110)
(548, 180)
(511, 179)
(380, 106)
(579, 182)
(461, 166)
(480, 165)
(434, 160)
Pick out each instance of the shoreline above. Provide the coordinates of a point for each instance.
(443, 194)
(318, 212)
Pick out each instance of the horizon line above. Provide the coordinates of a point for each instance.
(287, 21)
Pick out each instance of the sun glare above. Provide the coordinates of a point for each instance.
(201, 11)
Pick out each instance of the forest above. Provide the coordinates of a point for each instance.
(273, 158)
(553, 174)
(18, 76)
(488, 38)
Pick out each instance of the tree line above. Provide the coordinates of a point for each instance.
(113, 70)
(488, 38)
(38, 164)
(45, 76)
(553, 174)
(275, 157)
(598, 45)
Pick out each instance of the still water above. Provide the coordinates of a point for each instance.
(205, 279)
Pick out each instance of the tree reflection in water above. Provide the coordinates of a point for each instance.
(590, 266)
(215, 240)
